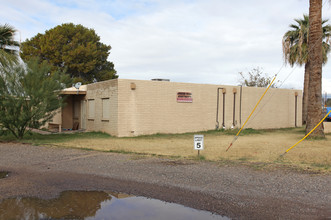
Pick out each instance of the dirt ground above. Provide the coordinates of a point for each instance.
(238, 192)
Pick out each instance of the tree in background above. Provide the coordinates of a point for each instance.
(74, 48)
(295, 50)
(315, 59)
(255, 78)
(8, 46)
(29, 95)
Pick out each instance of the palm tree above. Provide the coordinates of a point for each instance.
(8, 46)
(295, 50)
(315, 59)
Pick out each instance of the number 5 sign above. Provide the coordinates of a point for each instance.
(198, 142)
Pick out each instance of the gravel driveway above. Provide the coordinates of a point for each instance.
(235, 191)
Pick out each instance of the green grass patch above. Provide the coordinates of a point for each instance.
(175, 157)
(124, 152)
(320, 165)
(35, 138)
(87, 149)
(259, 165)
(243, 159)
(248, 131)
(226, 161)
(6, 135)
(201, 157)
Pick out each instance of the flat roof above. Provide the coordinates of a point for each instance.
(73, 91)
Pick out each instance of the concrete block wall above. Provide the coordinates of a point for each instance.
(98, 91)
(152, 107)
(141, 107)
(276, 109)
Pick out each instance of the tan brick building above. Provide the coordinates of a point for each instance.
(124, 107)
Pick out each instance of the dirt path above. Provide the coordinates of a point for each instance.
(236, 192)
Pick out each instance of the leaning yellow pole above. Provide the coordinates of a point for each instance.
(236, 137)
(308, 133)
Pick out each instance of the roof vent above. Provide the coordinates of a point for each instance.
(161, 80)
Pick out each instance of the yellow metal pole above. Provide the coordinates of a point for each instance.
(236, 137)
(308, 133)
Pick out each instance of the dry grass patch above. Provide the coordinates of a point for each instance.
(158, 146)
(262, 148)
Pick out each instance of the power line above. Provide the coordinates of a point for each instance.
(236, 137)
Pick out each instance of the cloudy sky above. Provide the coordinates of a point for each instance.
(198, 41)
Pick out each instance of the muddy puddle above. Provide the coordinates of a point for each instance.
(98, 205)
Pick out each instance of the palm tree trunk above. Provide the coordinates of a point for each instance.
(305, 94)
(315, 58)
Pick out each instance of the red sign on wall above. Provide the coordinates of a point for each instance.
(184, 97)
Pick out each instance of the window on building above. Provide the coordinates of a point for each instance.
(184, 97)
(105, 109)
(91, 109)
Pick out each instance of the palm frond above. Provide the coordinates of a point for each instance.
(8, 46)
(295, 41)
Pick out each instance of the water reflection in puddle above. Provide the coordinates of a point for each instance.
(97, 205)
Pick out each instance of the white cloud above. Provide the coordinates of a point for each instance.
(326, 86)
(202, 41)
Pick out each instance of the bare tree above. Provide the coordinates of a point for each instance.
(255, 78)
